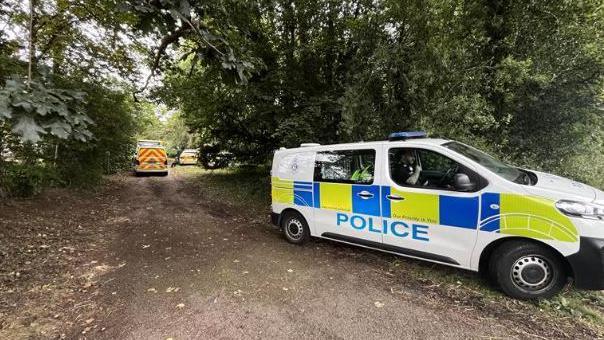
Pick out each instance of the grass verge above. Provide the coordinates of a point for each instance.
(241, 187)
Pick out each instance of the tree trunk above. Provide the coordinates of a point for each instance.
(32, 41)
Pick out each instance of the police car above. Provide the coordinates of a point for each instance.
(446, 202)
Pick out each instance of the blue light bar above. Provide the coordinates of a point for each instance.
(406, 135)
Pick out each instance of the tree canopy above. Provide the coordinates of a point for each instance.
(523, 80)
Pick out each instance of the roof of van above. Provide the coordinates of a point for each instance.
(148, 142)
(150, 147)
(190, 151)
(414, 141)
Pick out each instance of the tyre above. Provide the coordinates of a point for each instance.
(295, 228)
(491, 273)
(525, 270)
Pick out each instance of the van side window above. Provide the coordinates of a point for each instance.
(347, 166)
(425, 168)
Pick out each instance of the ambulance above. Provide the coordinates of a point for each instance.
(446, 202)
(150, 158)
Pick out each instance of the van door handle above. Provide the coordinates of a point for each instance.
(365, 195)
(395, 198)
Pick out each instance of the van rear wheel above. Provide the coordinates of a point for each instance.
(295, 228)
(527, 270)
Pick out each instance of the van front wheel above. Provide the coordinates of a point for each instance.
(295, 228)
(526, 270)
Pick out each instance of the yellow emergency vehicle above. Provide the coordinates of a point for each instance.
(188, 157)
(150, 157)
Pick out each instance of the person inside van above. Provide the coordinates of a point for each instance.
(408, 168)
(363, 174)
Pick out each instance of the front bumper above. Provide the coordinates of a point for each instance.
(588, 264)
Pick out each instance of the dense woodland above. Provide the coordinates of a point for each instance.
(80, 80)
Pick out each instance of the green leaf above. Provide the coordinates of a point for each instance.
(59, 129)
(43, 109)
(5, 110)
(62, 110)
(28, 129)
(80, 119)
(185, 8)
(25, 104)
(13, 85)
(82, 135)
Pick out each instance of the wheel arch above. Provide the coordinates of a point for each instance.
(486, 253)
(289, 211)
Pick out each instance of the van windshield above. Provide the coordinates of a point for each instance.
(498, 167)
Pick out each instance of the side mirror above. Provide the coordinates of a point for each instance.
(462, 182)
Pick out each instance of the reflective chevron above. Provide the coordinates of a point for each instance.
(152, 159)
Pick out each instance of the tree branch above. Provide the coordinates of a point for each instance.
(182, 17)
(165, 42)
(56, 34)
(31, 42)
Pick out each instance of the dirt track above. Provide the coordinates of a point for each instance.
(157, 259)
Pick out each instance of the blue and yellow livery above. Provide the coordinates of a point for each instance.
(445, 202)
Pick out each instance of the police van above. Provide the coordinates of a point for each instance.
(446, 202)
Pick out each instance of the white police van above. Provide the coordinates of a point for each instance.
(446, 202)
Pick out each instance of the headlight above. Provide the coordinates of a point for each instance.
(580, 209)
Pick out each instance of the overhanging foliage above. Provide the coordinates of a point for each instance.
(33, 110)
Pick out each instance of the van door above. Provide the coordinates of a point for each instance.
(424, 216)
(347, 195)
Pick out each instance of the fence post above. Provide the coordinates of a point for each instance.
(107, 157)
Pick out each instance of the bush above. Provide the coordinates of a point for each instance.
(71, 162)
(24, 180)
